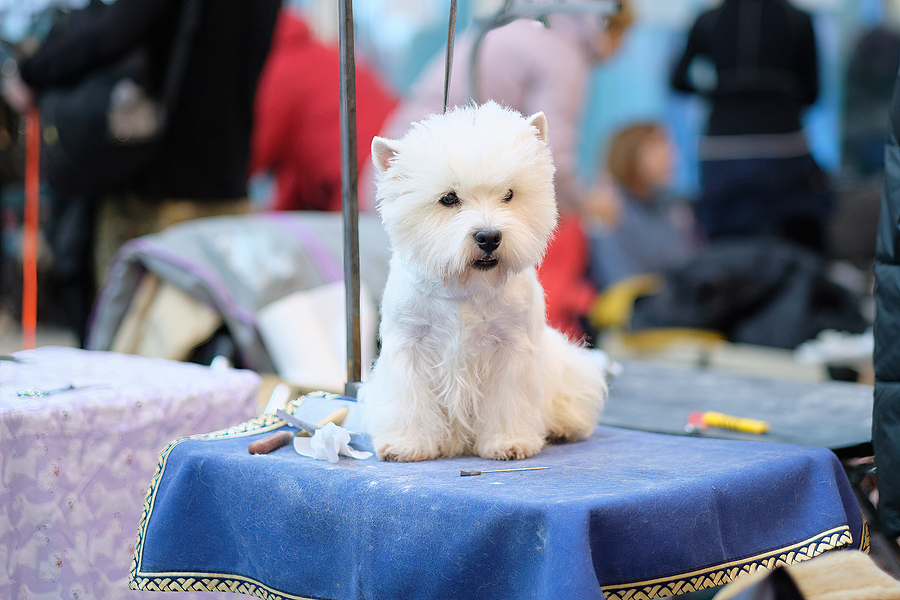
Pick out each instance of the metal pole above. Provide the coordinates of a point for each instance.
(448, 61)
(349, 196)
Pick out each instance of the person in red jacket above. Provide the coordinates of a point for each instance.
(297, 134)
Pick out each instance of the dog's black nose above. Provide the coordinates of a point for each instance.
(488, 239)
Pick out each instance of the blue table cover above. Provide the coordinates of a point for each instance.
(627, 514)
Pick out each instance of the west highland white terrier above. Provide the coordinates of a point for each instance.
(468, 364)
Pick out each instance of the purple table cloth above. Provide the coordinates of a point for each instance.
(75, 465)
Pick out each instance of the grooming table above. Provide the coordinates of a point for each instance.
(76, 464)
(657, 397)
(634, 514)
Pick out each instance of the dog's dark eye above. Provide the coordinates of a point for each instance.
(508, 196)
(449, 199)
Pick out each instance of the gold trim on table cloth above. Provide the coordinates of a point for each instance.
(703, 579)
(865, 544)
(204, 582)
(183, 582)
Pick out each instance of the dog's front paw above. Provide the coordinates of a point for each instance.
(403, 451)
(506, 449)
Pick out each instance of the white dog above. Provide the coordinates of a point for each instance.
(468, 364)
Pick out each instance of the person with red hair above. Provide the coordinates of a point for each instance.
(653, 232)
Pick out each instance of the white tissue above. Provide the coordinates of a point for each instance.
(328, 443)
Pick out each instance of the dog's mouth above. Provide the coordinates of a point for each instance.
(486, 264)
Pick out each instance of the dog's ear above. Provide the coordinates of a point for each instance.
(539, 122)
(383, 150)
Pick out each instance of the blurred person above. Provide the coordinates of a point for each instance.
(201, 168)
(534, 68)
(531, 68)
(652, 233)
(886, 358)
(754, 289)
(297, 129)
(872, 67)
(756, 61)
(207, 143)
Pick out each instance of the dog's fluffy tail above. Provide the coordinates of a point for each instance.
(576, 390)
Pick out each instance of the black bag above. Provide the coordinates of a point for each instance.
(99, 133)
(753, 291)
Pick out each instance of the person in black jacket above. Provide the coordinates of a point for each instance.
(886, 412)
(756, 61)
(207, 141)
(201, 168)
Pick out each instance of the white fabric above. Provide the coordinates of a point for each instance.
(305, 336)
(328, 443)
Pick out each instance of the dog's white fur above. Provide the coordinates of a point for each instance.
(468, 363)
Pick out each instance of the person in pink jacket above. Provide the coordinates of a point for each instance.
(530, 68)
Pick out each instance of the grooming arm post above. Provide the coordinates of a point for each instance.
(349, 196)
(448, 62)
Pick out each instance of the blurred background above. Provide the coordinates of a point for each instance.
(858, 44)
(400, 36)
